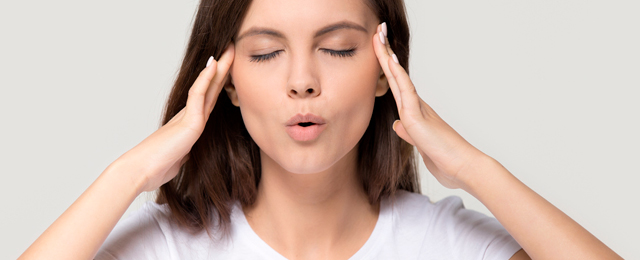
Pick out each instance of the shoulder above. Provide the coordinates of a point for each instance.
(417, 212)
(419, 207)
(152, 233)
(140, 235)
(415, 205)
(151, 216)
(413, 215)
(447, 230)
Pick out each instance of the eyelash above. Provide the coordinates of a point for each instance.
(339, 53)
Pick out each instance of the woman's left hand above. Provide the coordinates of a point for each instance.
(542, 230)
(448, 156)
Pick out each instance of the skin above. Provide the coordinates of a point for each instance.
(543, 231)
(323, 215)
(310, 196)
(296, 213)
(310, 203)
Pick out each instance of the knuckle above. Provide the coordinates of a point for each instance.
(226, 62)
(203, 72)
(193, 92)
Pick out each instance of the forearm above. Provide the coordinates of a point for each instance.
(540, 228)
(80, 231)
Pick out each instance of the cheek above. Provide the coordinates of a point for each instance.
(253, 86)
(354, 81)
(259, 100)
(347, 98)
(351, 90)
(347, 85)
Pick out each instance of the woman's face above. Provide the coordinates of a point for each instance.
(306, 57)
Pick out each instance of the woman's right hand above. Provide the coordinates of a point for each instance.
(157, 159)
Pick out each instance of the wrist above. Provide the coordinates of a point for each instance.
(132, 180)
(483, 172)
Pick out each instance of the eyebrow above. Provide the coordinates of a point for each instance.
(327, 29)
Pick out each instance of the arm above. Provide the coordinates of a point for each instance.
(540, 228)
(80, 231)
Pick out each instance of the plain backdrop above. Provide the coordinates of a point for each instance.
(548, 88)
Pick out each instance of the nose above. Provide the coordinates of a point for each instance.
(303, 81)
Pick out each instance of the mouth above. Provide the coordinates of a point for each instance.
(305, 124)
(305, 120)
(305, 127)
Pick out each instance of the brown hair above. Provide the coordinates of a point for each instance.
(224, 163)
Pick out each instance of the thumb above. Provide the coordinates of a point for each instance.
(400, 131)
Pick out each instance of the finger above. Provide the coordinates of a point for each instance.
(408, 93)
(195, 100)
(382, 54)
(399, 80)
(224, 63)
(401, 132)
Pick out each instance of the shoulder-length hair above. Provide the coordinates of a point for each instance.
(224, 163)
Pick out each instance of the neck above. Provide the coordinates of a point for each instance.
(324, 214)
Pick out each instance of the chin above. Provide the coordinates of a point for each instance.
(305, 164)
(305, 169)
(322, 154)
(299, 160)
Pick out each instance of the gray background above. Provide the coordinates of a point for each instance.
(548, 88)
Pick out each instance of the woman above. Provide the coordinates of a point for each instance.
(297, 157)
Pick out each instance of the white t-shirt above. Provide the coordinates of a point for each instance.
(411, 228)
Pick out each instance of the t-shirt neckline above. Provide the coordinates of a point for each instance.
(381, 225)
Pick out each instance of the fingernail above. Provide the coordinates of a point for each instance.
(209, 61)
(394, 125)
(381, 37)
(384, 29)
(395, 58)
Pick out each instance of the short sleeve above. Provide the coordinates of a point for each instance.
(138, 236)
(469, 234)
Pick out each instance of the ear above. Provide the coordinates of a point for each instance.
(230, 88)
(383, 85)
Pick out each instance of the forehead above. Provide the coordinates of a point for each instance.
(304, 17)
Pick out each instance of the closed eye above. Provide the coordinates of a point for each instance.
(265, 57)
(341, 53)
(335, 53)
